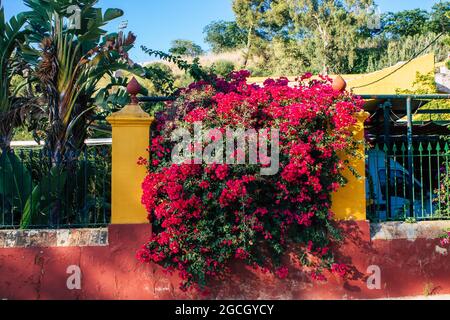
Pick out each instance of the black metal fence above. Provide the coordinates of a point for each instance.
(396, 193)
(407, 168)
(37, 192)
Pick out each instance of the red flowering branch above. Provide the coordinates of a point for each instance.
(206, 216)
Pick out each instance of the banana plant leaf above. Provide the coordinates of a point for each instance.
(111, 14)
(43, 198)
(15, 180)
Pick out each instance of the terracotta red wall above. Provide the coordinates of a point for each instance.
(112, 272)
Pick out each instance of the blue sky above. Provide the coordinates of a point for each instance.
(158, 22)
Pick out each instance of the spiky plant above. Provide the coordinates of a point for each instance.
(72, 62)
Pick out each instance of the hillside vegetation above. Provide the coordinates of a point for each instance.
(288, 38)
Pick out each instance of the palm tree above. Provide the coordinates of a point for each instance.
(68, 63)
(12, 37)
(72, 61)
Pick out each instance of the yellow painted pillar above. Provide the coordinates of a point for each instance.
(349, 202)
(130, 139)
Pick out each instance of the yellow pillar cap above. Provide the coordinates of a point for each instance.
(131, 114)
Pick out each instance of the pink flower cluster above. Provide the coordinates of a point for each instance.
(205, 216)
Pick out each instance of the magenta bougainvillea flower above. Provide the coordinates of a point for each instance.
(205, 217)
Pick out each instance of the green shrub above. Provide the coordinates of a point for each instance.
(161, 77)
(223, 67)
(21, 134)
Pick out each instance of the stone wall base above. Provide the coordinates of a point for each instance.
(408, 267)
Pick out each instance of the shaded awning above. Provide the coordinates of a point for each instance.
(398, 105)
(400, 129)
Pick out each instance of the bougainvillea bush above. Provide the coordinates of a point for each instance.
(205, 217)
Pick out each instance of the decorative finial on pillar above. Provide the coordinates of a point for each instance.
(132, 110)
(339, 84)
(133, 88)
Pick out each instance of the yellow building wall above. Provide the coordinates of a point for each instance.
(403, 78)
(349, 202)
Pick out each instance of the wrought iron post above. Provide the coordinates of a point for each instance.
(409, 138)
(387, 149)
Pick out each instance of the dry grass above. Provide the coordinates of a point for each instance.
(237, 57)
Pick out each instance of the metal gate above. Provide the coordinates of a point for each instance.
(407, 162)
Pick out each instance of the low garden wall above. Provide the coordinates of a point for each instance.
(410, 263)
(385, 260)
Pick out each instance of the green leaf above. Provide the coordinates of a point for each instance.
(111, 14)
(43, 196)
(15, 179)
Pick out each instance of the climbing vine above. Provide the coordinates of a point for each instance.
(205, 216)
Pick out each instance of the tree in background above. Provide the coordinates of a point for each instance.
(440, 21)
(405, 23)
(327, 28)
(288, 37)
(332, 28)
(403, 35)
(250, 16)
(440, 17)
(183, 47)
(224, 35)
